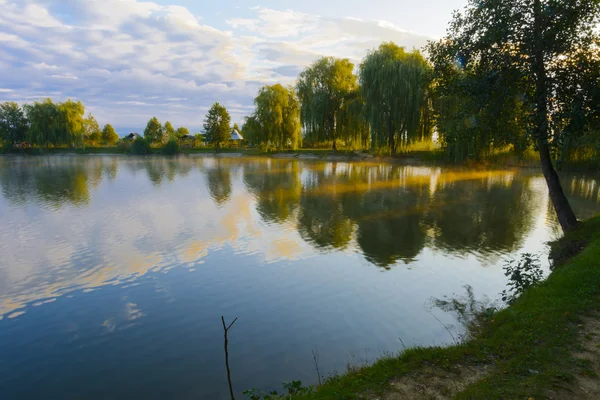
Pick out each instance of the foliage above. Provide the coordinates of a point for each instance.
(276, 121)
(181, 132)
(13, 124)
(169, 132)
(124, 146)
(109, 136)
(154, 132)
(394, 84)
(57, 124)
(293, 388)
(322, 89)
(522, 275)
(217, 125)
(91, 131)
(171, 148)
(140, 146)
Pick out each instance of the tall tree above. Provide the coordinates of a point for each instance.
(91, 130)
(13, 124)
(278, 117)
(154, 131)
(169, 132)
(109, 136)
(527, 41)
(217, 125)
(394, 84)
(42, 127)
(70, 123)
(322, 88)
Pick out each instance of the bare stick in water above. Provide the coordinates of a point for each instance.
(225, 330)
(315, 353)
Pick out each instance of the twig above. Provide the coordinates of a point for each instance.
(225, 330)
(444, 325)
(402, 341)
(315, 353)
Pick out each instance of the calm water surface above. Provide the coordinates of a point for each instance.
(115, 271)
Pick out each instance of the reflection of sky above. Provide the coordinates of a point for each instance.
(144, 257)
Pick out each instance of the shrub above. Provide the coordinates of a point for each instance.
(171, 148)
(140, 146)
(124, 146)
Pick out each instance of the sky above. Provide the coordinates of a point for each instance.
(129, 60)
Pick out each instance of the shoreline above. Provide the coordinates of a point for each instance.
(545, 345)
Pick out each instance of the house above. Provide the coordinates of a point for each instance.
(236, 135)
(132, 136)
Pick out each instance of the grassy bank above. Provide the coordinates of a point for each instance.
(527, 347)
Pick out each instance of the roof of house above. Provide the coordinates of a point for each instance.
(235, 135)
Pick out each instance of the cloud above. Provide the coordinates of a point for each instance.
(174, 63)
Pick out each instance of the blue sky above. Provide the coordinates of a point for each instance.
(129, 60)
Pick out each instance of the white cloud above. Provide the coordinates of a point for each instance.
(171, 62)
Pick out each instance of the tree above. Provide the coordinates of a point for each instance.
(236, 127)
(69, 124)
(394, 84)
(91, 130)
(13, 124)
(277, 116)
(41, 117)
(181, 132)
(154, 131)
(322, 88)
(169, 132)
(528, 43)
(216, 125)
(109, 136)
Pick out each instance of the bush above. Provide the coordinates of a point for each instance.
(171, 148)
(124, 146)
(140, 146)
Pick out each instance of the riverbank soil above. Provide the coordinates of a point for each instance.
(544, 346)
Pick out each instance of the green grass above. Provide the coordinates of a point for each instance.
(528, 345)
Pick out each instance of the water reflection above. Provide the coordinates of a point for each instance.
(87, 243)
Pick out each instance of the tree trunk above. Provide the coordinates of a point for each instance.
(566, 216)
(334, 145)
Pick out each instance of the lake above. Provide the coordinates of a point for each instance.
(115, 271)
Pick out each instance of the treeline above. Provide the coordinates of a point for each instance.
(384, 107)
(46, 124)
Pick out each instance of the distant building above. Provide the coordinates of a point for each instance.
(236, 135)
(132, 136)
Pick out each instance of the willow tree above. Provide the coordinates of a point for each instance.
(13, 124)
(352, 123)
(41, 117)
(277, 116)
(527, 42)
(394, 84)
(322, 88)
(70, 122)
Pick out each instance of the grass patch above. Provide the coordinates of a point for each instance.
(528, 344)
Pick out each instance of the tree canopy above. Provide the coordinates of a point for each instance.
(276, 121)
(394, 84)
(169, 132)
(217, 125)
(322, 89)
(523, 53)
(154, 131)
(13, 124)
(109, 136)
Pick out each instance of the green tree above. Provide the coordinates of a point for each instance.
(169, 132)
(91, 131)
(69, 124)
(527, 42)
(278, 117)
(322, 88)
(217, 125)
(181, 132)
(13, 124)
(42, 127)
(109, 136)
(394, 84)
(154, 131)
